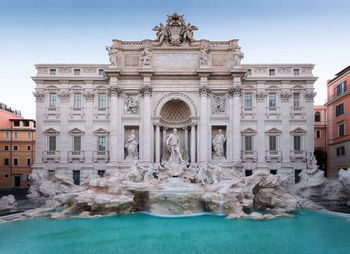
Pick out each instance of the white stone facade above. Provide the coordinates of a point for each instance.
(265, 111)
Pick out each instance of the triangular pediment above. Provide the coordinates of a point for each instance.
(298, 131)
(76, 131)
(51, 131)
(101, 131)
(249, 131)
(273, 130)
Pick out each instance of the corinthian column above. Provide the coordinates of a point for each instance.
(116, 143)
(235, 92)
(193, 142)
(157, 143)
(203, 128)
(146, 92)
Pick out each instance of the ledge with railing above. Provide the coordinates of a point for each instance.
(273, 155)
(51, 155)
(297, 155)
(249, 155)
(76, 155)
(101, 155)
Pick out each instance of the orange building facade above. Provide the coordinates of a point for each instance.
(17, 149)
(338, 119)
(320, 135)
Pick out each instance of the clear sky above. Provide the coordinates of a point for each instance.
(76, 31)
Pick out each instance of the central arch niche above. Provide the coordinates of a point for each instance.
(175, 113)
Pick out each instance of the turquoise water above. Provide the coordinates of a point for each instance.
(308, 232)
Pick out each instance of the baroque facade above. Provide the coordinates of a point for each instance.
(102, 117)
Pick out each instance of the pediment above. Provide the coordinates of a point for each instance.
(76, 131)
(51, 131)
(249, 131)
(298, 131)
(101, 131)
(273, 130)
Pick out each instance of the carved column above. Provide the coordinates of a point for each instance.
(229, 131)
(146, 92)
(193, 142)
(309, 104)
(40, 137)
(157, 143)
(64, 142)
(186, 139)
(285, 137)
(236, 115)
(260, 107)
(89, 109)
(203, 128)
(116, 143)
(164, 140)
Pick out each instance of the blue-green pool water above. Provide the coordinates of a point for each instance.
(307, 232)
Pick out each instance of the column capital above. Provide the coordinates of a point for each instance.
(309, 96)
(89, 96)
(260, 96)
(204, 90)
(235, 91)
(285, 96)
(146, 90)
(64, 96)
(115, 91)
(39, 96)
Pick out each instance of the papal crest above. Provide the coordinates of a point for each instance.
(176, 32)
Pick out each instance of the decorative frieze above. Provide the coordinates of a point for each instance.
(131, 104)
(89, 70)
(65, 70)
(89, 96)
(218, 104)
(39, 96)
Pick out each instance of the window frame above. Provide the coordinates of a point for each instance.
(343, 130)
(274, 99)
(102, 100)
(77, 100)
(52, 100)
(248, 97)
(339, 109)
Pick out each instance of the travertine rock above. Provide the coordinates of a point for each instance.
(8, 204)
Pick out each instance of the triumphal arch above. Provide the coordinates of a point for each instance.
(173, 102)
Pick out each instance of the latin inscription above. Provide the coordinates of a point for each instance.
(131, 60)
(176, 59)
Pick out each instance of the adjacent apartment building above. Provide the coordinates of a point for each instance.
(338, 109)
(17, 148)
(320, 114)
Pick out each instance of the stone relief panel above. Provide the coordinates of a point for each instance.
(131, 60)
(131, 142)
(131, 104)
(175, 60)
(219, 60)
(218, 105)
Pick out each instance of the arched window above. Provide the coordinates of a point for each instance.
(317, 117)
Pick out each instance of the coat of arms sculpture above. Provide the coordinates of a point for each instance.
(176, 32)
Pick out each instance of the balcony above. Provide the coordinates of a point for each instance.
(298, 155)
(101, 156)
(76, 155)
(51, 156)
(273, 113)
(297, 112)
(335, 97)
(248, 112)
(273, 155)
(249, 155)
(102, 113)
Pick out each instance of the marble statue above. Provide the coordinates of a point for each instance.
(161, 33)
(188, 32)
(218, 145)
(215, 172)
(132, 104)
(146, 56)
(204, 57)
(131, 145)
(113, 55)
(237, 56)
(173, 143)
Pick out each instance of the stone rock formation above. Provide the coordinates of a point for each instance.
(8, 204)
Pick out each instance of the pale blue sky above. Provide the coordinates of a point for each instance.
(76, 31)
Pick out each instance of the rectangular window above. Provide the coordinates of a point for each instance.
(77, 143)
(272, 143)
(340, 151)
(76, 71)
(100, 72)
(248, 100)
(272, 72)
(7, 134)
(15, 162)
(296, 72)
(272, 100)
(296, 100)
(248, 143)
(249, 72)
(29, 135)
(52, 143)
(6, 161)
(76, 177)
(101, 173)
(16, 134)
(16, 123)
(101, 100)
(297, 143)
(52, 71)
(341, 88)
(102, 143)
(26, 123)
(77, 100)
(341, 129)
(29, 148)
(6, 148)
(15, 148)
(52, 98)
(339, 109)
(29, 162)
(318, 134)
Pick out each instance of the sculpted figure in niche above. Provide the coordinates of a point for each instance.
(203, 60)
(132, 104)
(131, 145)
(146, 56)
(218, 145)
(112, 53)
(173, 143)
(237, 56)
